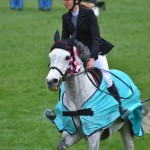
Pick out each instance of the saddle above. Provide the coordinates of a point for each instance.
(97, 75)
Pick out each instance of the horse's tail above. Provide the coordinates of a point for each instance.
(146, 117)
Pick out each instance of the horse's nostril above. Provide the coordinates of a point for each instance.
(52, 83)
(55, 81)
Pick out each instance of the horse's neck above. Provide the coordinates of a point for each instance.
(77, 90)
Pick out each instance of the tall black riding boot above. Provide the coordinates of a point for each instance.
(114, 91)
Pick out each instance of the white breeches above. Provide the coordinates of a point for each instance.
(102, 63)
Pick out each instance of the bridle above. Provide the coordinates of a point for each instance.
(64, 75)
(51, 68)
(72, 67)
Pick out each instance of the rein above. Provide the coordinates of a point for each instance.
(74, 75)
(64, 78)
(109, 93)
(145, 101)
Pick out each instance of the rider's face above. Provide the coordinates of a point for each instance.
(68, 4)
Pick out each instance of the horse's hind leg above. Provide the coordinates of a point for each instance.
(68, 140)
(127, 136)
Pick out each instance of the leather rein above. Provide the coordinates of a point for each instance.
(64, 78)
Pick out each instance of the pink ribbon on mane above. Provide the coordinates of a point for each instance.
(74, 65)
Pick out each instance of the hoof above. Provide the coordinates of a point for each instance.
(61, 145)
(49, 114)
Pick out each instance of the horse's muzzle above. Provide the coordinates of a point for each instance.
(52, 84)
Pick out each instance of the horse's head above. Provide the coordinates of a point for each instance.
(64, 61)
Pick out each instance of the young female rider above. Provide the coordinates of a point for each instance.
(84, 22)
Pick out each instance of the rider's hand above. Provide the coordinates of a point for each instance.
(90, 64)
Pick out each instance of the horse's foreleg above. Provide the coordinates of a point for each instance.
(94, 140)
(68, 140)
(127, 136)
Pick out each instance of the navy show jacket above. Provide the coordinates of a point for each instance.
(87, 31)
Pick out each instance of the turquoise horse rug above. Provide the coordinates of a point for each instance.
(104, 107)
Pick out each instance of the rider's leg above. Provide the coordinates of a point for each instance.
(102, 63)
(113, 90)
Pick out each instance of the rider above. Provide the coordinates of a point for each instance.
(83, 21)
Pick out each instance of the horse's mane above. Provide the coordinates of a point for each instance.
(84, 52)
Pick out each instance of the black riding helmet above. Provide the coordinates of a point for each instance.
(79, 1)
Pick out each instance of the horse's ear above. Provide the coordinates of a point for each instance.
(56, 36)
(72, 39)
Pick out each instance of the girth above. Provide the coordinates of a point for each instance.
(81, 112)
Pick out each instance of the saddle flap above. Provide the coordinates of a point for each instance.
(97, 75)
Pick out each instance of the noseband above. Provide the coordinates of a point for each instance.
(64, 78)
(58, 71)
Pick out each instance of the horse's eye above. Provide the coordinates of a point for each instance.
(67, 58)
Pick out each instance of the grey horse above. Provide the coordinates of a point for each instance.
(78, 89)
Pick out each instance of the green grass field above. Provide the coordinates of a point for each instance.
(25, 39)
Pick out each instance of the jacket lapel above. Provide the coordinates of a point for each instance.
(79, 20)
(69, 21)
(80, 17)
